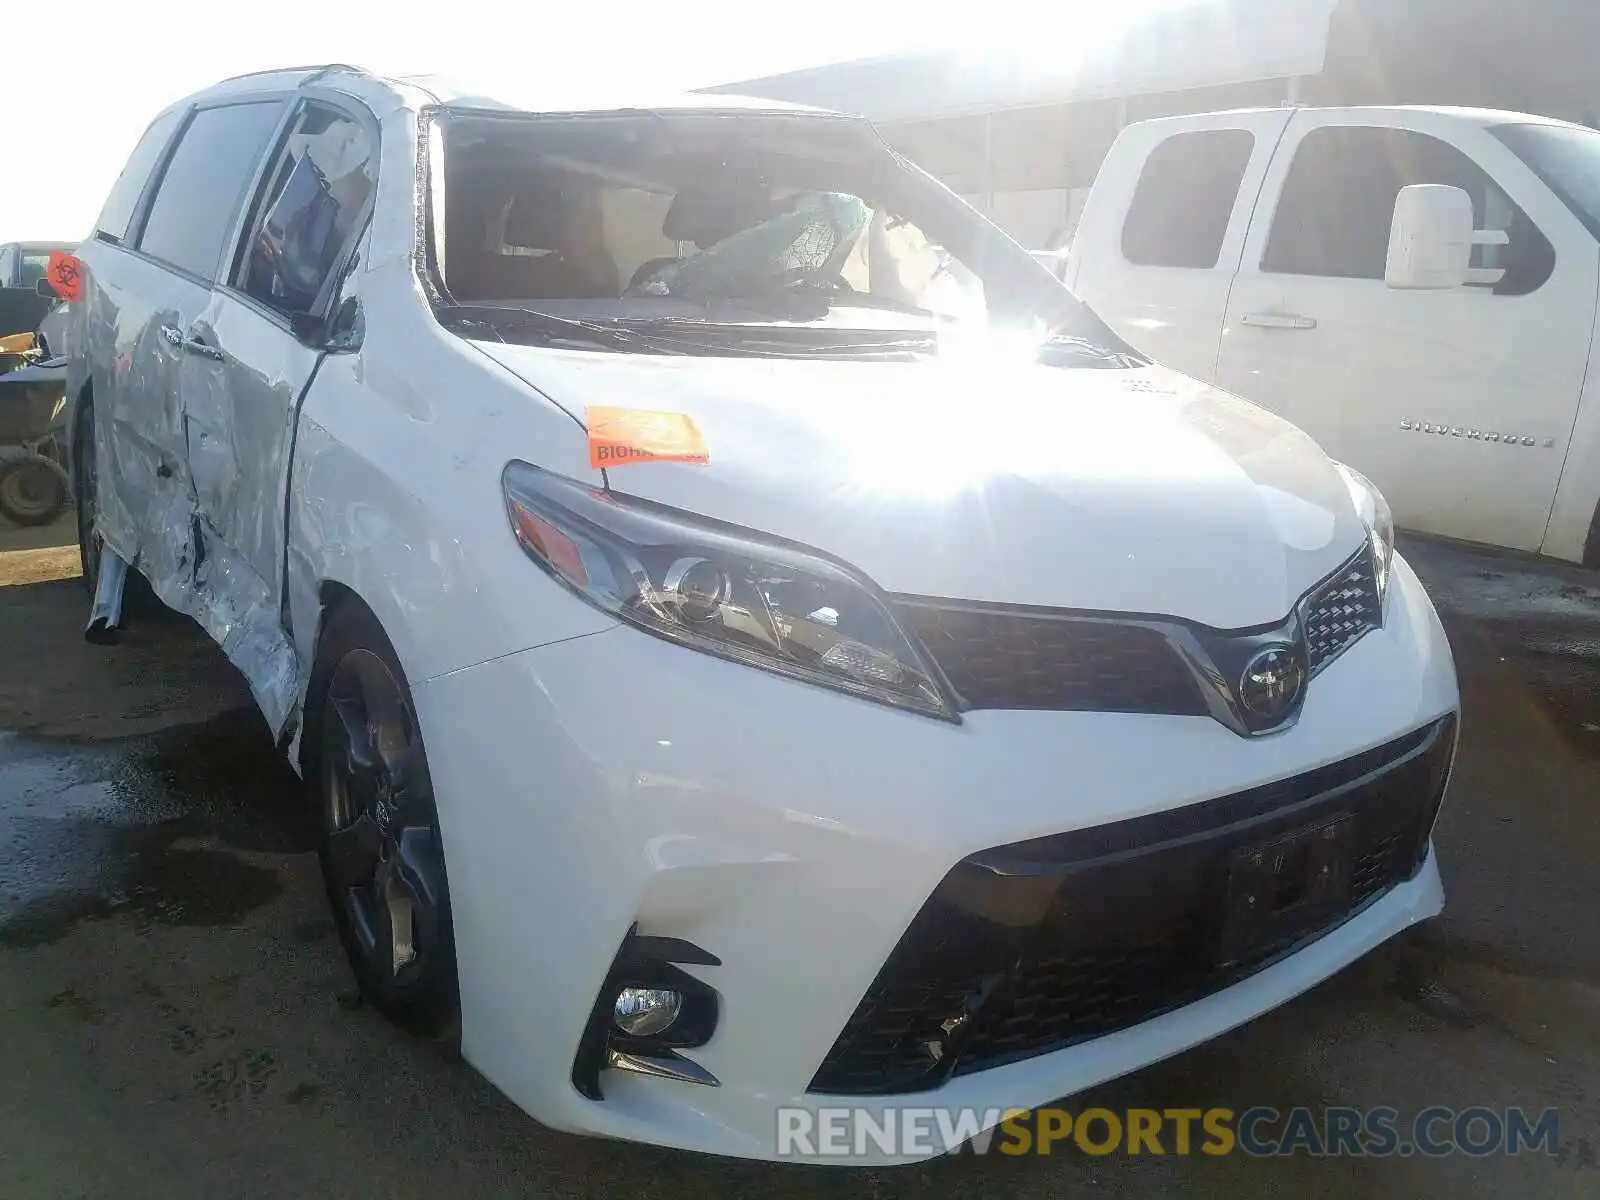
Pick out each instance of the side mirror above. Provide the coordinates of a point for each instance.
(44, 289)
(1431, 240)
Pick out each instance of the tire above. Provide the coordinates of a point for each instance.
(379, 845)
(32, 491)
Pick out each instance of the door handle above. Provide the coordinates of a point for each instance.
(202, 349)
(172, 335)
(1278, 321)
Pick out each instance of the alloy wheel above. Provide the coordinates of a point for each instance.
(382, 840)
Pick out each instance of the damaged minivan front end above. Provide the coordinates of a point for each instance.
(757, 642)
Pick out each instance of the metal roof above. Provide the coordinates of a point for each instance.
(535, 100)
(474, 95)
(1198, 43)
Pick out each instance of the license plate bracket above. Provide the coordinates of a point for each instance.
(1281, 889)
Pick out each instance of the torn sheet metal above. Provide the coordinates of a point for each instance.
(247, 625)
(151, 468)
(105, 614)
(223, 598)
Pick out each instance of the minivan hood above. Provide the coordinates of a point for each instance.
(1133, 490)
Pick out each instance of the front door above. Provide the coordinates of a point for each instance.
(1458, 404)
(253, 353)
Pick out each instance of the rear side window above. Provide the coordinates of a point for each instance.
(124, 198)
(1337, 207)
(1185, 197)
(316, 191)
(204, 184)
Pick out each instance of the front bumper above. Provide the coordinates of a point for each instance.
(615, 780)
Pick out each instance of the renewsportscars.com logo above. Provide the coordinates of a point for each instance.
(906, 1132)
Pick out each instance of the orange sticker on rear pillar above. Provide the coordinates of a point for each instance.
(65, 274)
(620, 436)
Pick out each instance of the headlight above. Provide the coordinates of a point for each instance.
(704, 585)
(1374, 512)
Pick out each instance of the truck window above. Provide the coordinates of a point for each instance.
(203, 186)
(318, 187)
(1566, 158)
(31, 268)
(124, 198)
(1181, 206)
(1337, 207)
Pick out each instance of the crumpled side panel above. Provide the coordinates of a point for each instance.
(231, 606)
(147, 514)
(222, 596)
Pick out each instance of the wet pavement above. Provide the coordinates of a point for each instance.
(176, 1019)
(148, 827)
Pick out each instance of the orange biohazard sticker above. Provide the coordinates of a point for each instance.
(65, 274)
(619, 436)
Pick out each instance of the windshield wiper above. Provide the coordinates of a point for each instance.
(757, 339)
(764, 340)
(680, 335)
(1061, 345)
(475, 320)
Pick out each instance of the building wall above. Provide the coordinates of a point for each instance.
(1004, 138)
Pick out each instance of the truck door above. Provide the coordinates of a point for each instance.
(1164, 227)
(1458, 404)
(253, 352)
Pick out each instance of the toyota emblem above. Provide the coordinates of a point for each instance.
(1271, 683)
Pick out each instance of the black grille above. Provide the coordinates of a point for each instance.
(1029, 948)
(1057, 660)
(998, 659)
(1340, 611)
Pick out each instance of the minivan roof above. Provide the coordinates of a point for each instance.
(451, 93)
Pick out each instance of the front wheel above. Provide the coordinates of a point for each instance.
(381, 852)
(33, 490)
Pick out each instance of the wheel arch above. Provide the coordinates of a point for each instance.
(333, 595)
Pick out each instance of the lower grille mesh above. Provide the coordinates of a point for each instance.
(1126, 921)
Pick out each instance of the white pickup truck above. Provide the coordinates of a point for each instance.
(1414, 287)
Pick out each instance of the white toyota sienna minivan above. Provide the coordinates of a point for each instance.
(753, 639)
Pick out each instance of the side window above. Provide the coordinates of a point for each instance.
(117, 214)
(31, 269)
(204, 184)
(1337, 206)
(1181, 206)
(316, 191)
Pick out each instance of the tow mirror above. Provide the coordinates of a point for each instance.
(1431, 240)
(44, 289)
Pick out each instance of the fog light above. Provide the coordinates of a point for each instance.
(645, 1012)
